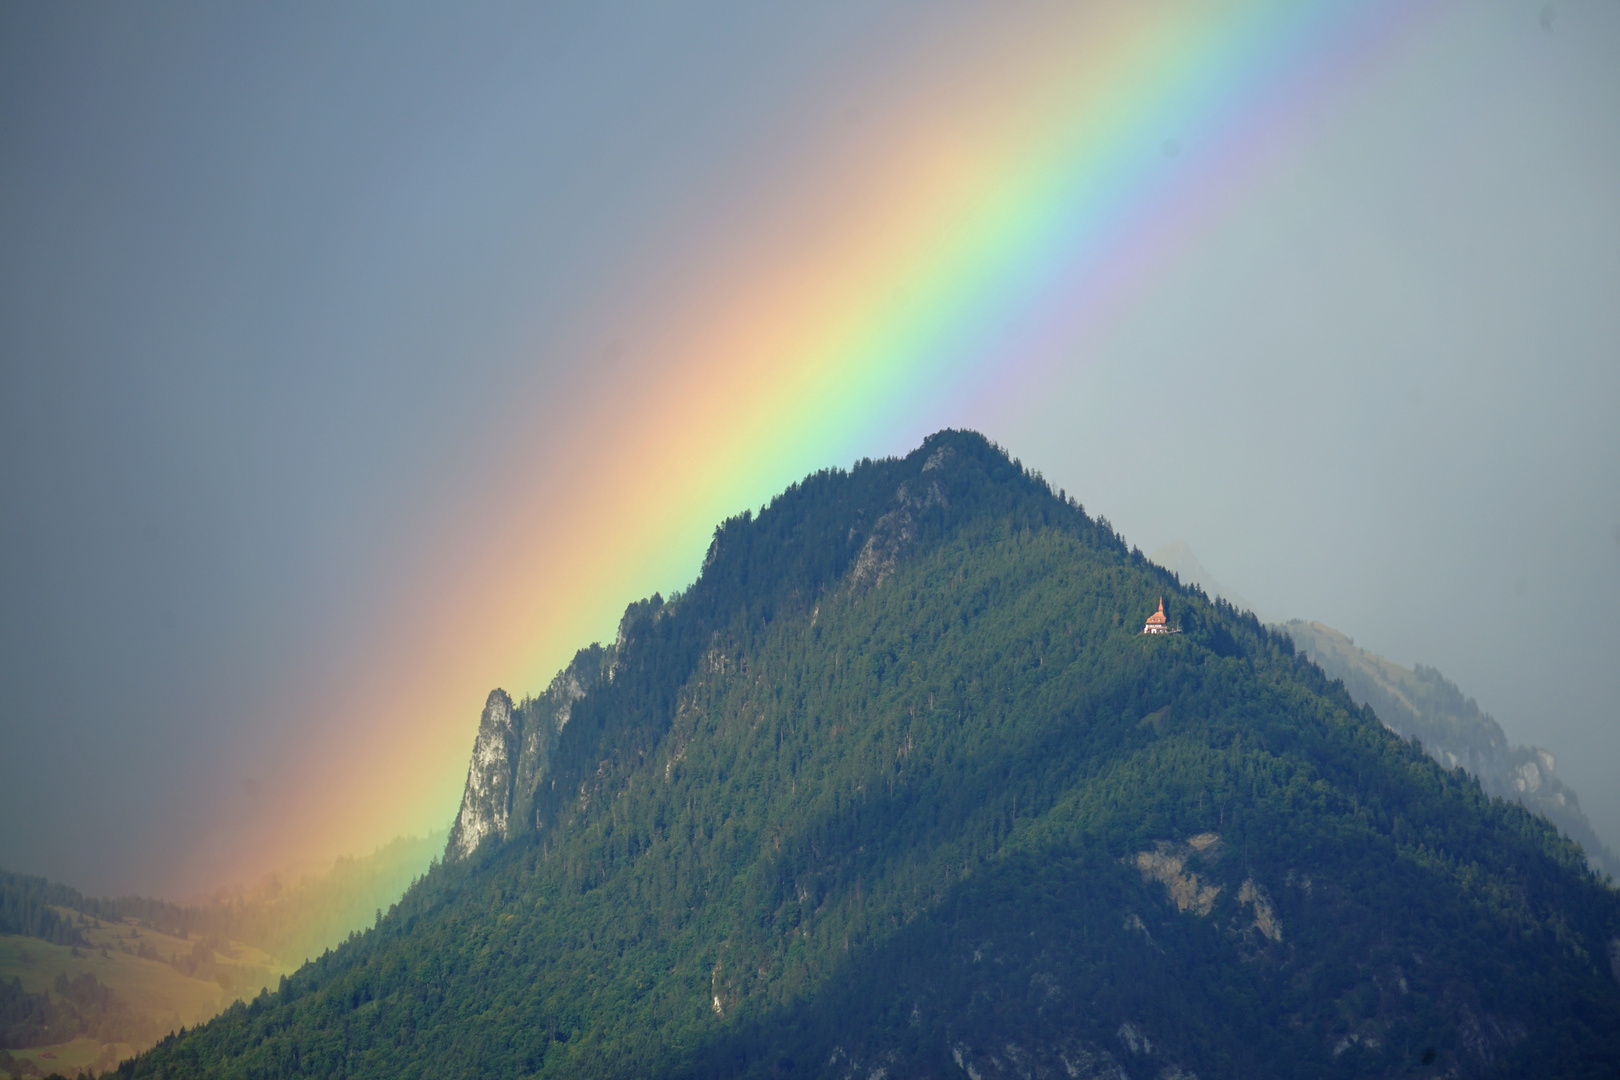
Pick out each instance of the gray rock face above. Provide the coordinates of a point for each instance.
(511, 755)
(896, 530)
(544, 719)
(487, 799)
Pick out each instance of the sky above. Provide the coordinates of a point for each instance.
(357, 360)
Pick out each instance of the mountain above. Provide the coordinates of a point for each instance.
(294, 917)
(899, 788)
(1423, 704)
(1178, 558)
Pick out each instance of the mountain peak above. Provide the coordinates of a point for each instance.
(898, 787)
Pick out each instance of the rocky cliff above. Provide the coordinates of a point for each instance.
(512, 752)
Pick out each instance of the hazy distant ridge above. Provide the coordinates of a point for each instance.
(1422, 702)
(1178, 558)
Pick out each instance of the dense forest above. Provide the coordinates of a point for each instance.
(79, 1006)
(1421, 703)
(898, 788)
(30, 905)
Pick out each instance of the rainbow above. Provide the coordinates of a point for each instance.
(985, 221)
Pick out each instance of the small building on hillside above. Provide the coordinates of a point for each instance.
(1156, 624)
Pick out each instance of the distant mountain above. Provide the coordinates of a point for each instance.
(116, 990)
(1178, 558)
(899, 788)
(1422, 703)
(298, 917)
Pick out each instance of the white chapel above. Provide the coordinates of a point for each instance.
(1156, 624)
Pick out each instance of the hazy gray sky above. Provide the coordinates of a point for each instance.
(269, 276)
(1387, 392)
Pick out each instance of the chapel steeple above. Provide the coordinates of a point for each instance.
(1156, 625)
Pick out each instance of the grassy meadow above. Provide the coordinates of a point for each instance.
(160, 997)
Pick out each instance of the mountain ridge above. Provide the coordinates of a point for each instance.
(1419, 702)
(1178, 558)
(897, 785)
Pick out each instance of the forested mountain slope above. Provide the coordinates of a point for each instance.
(1421, 703)
(898, 788)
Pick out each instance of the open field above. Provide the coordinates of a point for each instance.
(73, 1057)
(161, 998)
(160, 982)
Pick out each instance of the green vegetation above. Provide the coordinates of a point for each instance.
(26, 903)
(1420, 703)
(80, 1006)
(97, 1003)
(898, 785)
(304, 918)
(86, 982)
(28, 907)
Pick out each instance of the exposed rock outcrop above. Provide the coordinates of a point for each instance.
(1265, 916)
(512, 754)
(1072, 1058)
(486, 801)
(1167, 864)
(896, 530)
